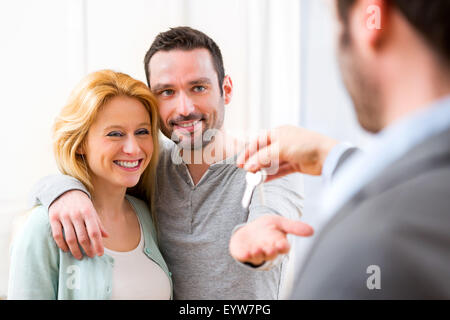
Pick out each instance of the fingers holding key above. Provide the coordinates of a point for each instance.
(290, 147)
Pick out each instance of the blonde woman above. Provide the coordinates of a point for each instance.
(107, 138)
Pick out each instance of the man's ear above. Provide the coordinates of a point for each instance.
(227, 87)
(369, 21)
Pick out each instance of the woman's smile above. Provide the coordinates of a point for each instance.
(128, 165)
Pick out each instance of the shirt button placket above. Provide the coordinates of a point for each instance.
(191, 214)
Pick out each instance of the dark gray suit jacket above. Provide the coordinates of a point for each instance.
(393, 236)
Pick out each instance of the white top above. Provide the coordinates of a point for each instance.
(136, 276)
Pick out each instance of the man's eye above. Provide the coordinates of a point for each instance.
(142, 132)
(166, 93)
(199, 88)
(115, 134)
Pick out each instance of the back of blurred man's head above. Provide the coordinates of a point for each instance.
(394, 56)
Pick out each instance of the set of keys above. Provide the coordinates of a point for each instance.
(253, 180)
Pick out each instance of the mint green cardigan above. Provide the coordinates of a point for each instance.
(40, 270)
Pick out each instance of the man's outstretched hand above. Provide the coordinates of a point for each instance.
(265, 238)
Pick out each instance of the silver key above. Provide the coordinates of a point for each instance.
(253, 180)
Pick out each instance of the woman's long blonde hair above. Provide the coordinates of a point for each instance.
(76, 117)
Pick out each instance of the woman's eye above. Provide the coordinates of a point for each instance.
(142, 131)
(115, 134)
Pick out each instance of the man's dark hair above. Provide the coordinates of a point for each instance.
(431, 18)
(185, 38)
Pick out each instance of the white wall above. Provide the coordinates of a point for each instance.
(34, 84)
(325, 104)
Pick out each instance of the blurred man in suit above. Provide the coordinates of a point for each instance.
(388, 209)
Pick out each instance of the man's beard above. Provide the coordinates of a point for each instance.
(196, 140)
(191, 141)
(361, 86)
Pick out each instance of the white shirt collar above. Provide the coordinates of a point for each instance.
(388, 146)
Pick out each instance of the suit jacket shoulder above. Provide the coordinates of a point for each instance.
(397, 227)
